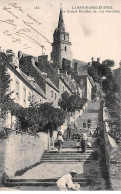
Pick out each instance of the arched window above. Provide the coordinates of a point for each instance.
(65, 48)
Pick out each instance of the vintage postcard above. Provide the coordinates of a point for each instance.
(60, 95)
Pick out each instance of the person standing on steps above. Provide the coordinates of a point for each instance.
(65, 183)
(68, 133)
(84, 124)
(60, 140)
(59, 133)
(83, 144)
(78, 144)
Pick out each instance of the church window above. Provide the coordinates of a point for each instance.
(65, 48)
(64, 37)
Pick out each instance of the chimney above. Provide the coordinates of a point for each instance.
(32, 60)
(44, 75)
(11, 58)
(98, 59)
(19, 54)
(58, 71)
(75, 66)
(43, 58)
(92, 59)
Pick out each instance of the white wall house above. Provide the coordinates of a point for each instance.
(23, 89)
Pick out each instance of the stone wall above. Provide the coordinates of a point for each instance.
(2, 158)
(113, 158)
(115, 170)
(23, 151)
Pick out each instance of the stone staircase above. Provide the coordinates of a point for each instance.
(91, 112)
(68, 157)
(40, 182)
(55, 164)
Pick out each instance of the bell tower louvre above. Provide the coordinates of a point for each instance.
(61, 54)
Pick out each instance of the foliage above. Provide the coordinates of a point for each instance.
(63, 102)
(75, 102)
(41, 118)
(71, 102)
(112, 102)
(111, 93)
(4, 89)
(98, 70)
(100, 153)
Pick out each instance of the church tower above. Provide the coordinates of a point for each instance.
(61, 54)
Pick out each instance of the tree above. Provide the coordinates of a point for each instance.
(98, 70)
(112, 99)
(63, 102)
(72, 102)
(4, 89)
(42, 117)
(75, 102)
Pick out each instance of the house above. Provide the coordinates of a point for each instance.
(30, 67)
(23, 88)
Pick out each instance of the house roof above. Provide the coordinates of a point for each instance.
(24, 77)
(44, 66)
(117, 72)
(33, 83)
(80, 63)
(47, 79)
(27, 66)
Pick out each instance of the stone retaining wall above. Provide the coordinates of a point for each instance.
(23, 150)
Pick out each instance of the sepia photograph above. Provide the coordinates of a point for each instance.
(60, 95)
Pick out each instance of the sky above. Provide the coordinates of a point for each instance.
(28, 25)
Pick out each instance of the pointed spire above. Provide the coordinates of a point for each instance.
(61, 25)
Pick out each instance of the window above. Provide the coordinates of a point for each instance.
(24, 95)
(55, 96)
(51, 94)
(56, 48)
(63, 88)
(64, 37)
(65, 48)
(17, 90)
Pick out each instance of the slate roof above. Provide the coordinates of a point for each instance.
(23, 76)
(52, 74)
(29, 68)
(80, 63)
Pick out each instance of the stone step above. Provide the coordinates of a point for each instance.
(71, 152)
(61, 155)
(65, 161)
(67, 155)
(39, 182)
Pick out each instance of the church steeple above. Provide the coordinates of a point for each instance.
(61, 25)
(61, 54)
